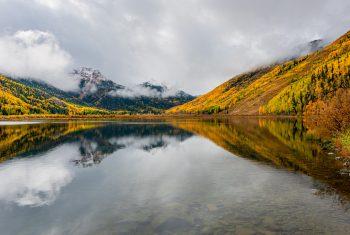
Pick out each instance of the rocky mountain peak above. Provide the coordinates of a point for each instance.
(89, 74)
(315, 45)
(90, 80)
(154, 87)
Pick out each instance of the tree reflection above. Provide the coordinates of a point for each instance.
(282, 143)
(96, 140)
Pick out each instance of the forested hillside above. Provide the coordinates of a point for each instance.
(18, 99)
(287, 88)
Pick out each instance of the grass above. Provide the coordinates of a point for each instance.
(345, 139)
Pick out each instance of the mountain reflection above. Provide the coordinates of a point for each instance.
(96, 140)
(94, 152)
(100, 142)
(43, 160)
(282, 143)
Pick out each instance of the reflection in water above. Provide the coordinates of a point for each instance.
(26, 140)
(282, 143)
(36, 181)
(97, 140)
(98, 143)
(92, 178)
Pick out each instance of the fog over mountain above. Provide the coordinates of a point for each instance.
(191, 45)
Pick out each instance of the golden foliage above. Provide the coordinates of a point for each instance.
(18, 99)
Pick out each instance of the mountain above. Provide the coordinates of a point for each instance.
(315, 45)
(156, 88)
(92, 82)
(96, 91)
(308, 48)
(18, 99)
(289, 87)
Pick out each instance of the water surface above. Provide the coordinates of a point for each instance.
(250, 176)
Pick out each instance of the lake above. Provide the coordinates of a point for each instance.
(239, 176)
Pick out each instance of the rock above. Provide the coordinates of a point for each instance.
(212, 207)
(344, 171)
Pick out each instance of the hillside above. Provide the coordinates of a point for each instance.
(285, 88)
(19, 99)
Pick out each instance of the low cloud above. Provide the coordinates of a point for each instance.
(37, 55)
(139, 91)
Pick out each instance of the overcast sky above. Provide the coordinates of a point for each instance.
(190, 44)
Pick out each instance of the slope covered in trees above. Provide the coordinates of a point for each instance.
(286, 88)
(18, 99)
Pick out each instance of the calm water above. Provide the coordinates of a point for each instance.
(184, 177)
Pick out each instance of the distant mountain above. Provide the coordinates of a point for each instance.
(91, 81)
(316, 45)
(286, 88)
(308, 48)
(96, 91)
(157, 88)
(164, 91)
(302, 50)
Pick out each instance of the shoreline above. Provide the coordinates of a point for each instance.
(138, 117)
(35, 119)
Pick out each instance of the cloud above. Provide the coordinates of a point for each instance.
(35, 54)
(149, 143)
(193, 45)
(79, 8)
(140, 90)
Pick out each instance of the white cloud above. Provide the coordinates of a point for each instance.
(37, 55)
(80, 8)
(139, 90)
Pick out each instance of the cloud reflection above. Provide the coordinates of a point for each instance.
(37, 181)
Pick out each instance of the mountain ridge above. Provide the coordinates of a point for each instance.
(95, 91)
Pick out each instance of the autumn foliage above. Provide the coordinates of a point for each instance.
(332, 114)
(18, 99)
